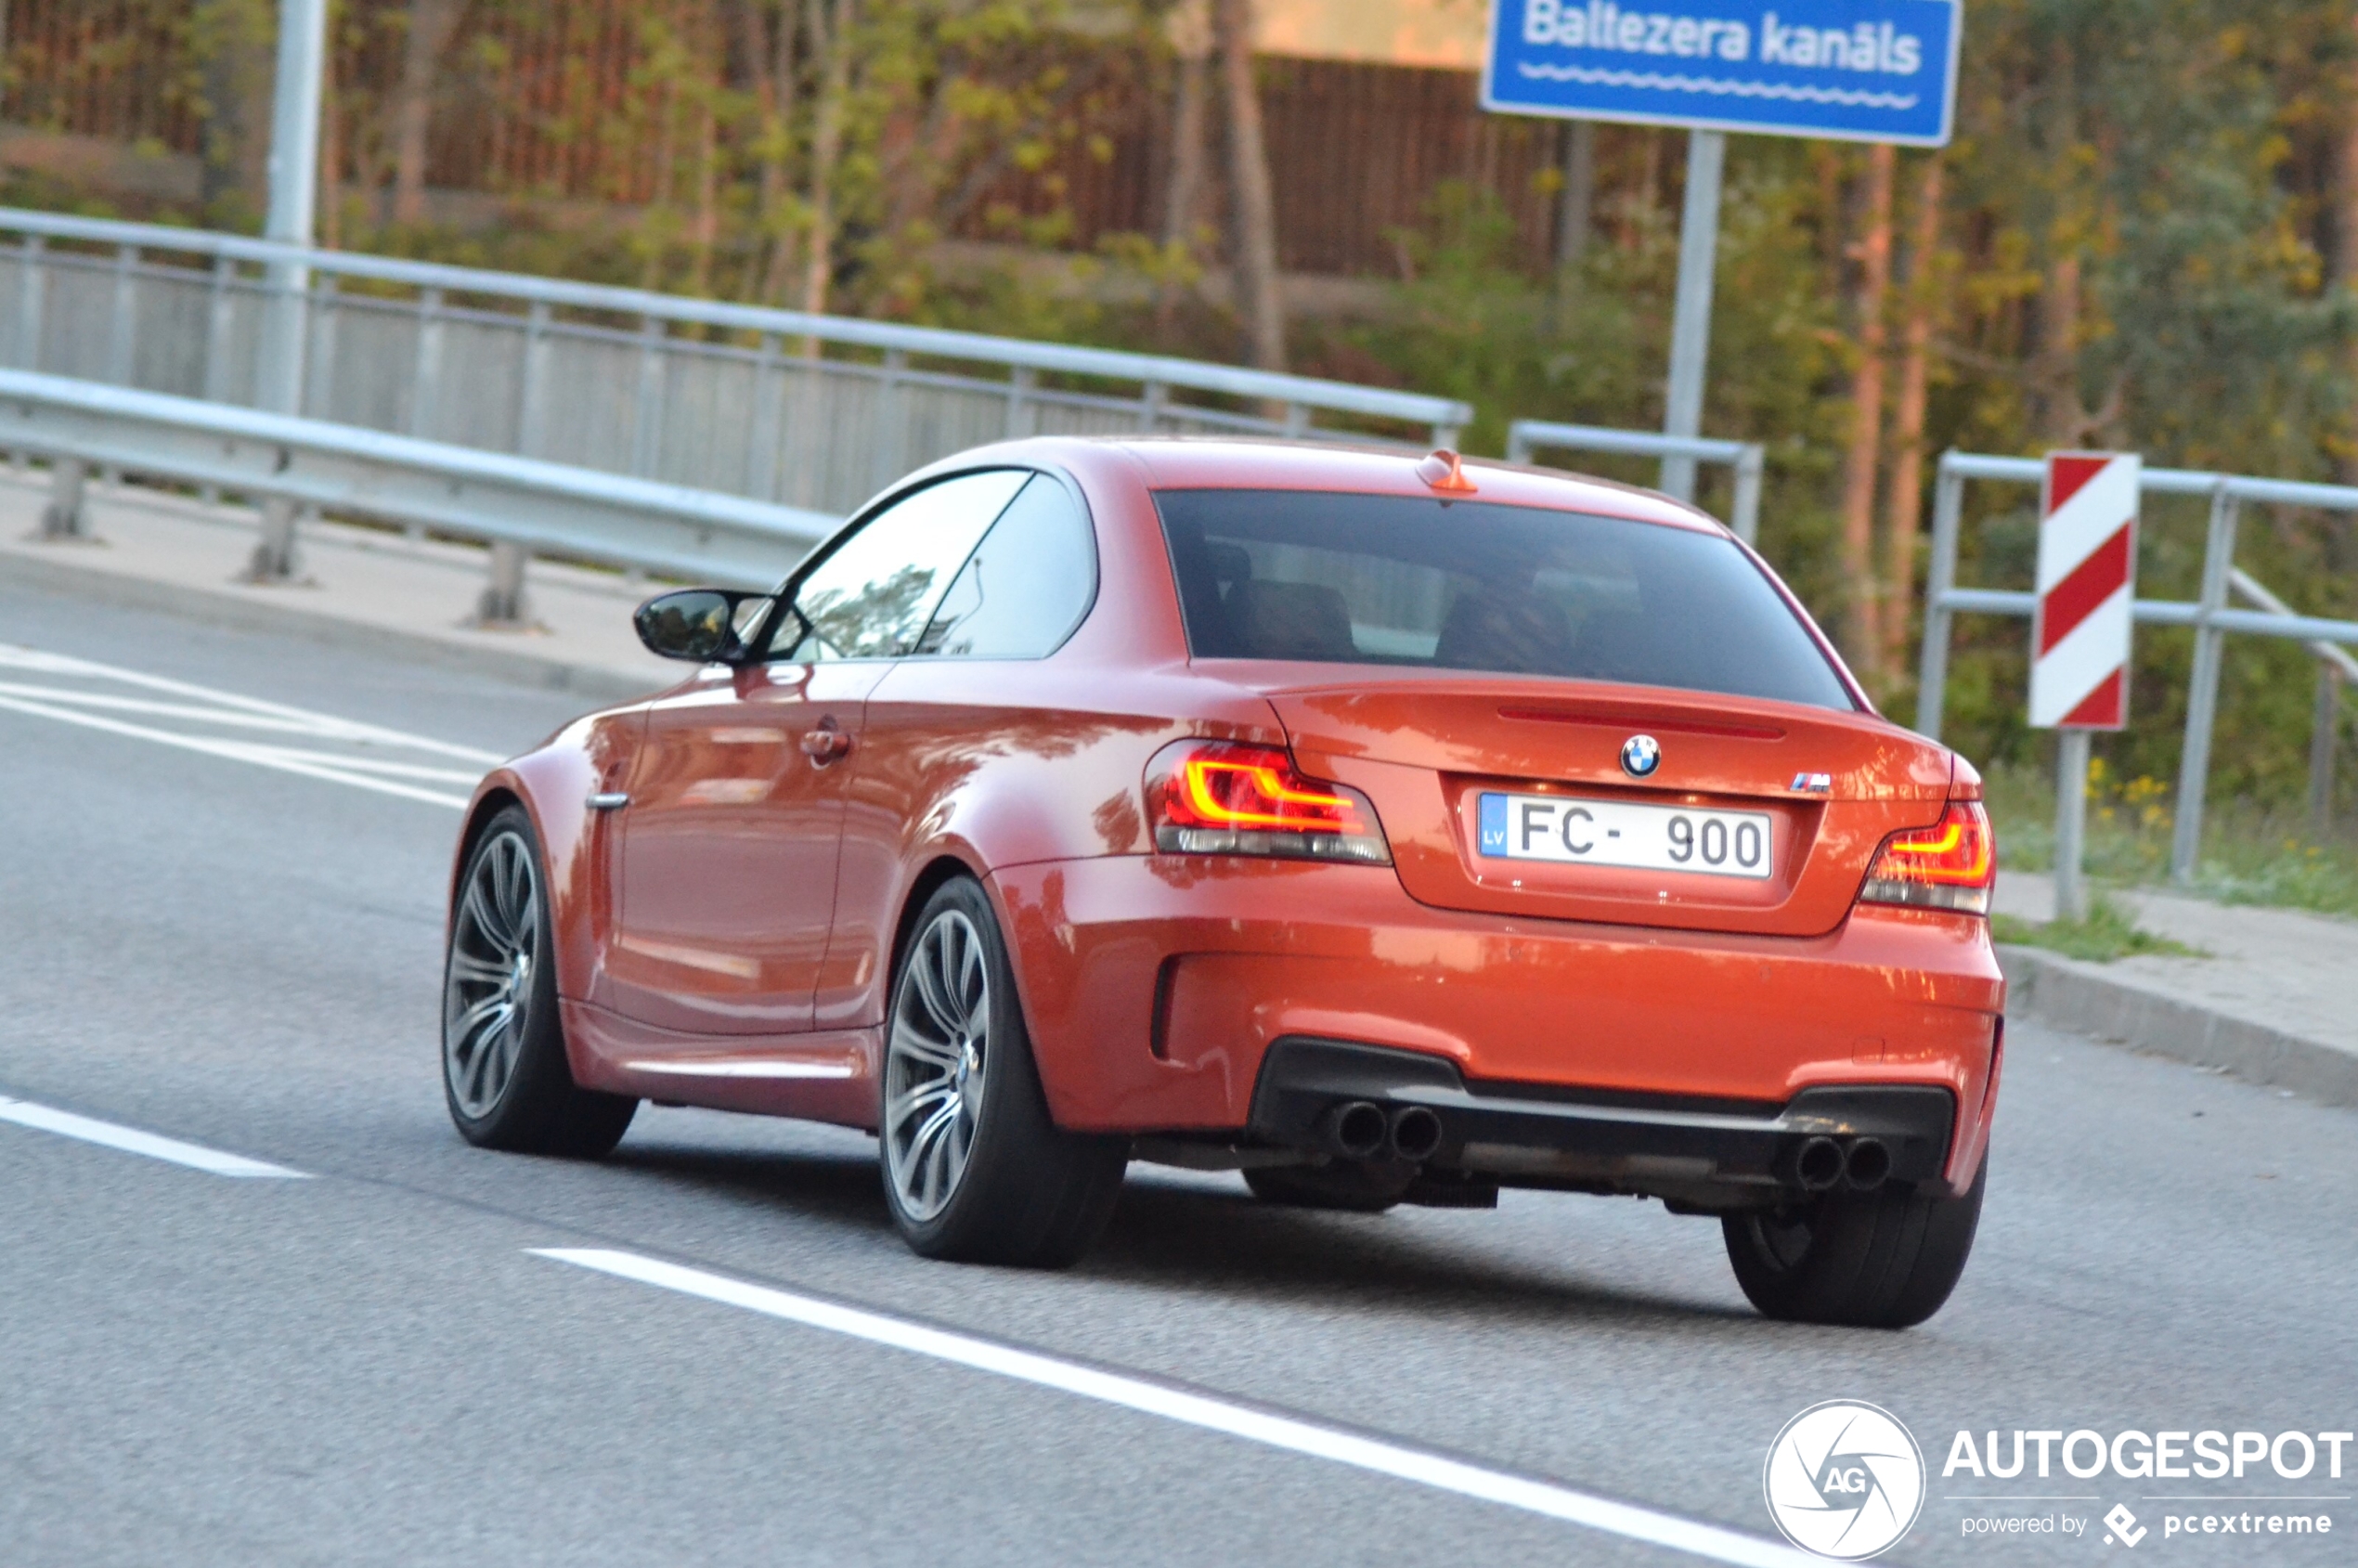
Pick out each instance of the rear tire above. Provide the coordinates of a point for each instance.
(975, 1168)
(1885, 1259)
(504, 1074)
(1353, 1186)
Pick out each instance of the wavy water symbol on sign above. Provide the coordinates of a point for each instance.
(1598, 76)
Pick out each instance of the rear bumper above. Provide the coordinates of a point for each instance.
(1154, 986)
(1710, 1154)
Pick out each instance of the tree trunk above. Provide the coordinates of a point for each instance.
(1862, 621)
(831, 37)
(2345, 256)
(1254, 254)
(780, 150)
(1906, 514)
(235, 44)
(2054, 377)
(431, 24)
(1185, 192)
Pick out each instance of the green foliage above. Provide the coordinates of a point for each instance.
(2251, 852)
(2108, 933)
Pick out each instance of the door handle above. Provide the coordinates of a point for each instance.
(609, 800)
(825, 744)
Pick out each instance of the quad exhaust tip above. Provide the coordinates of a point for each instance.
(1818, 1165)
(1357, 1130)
(1867, 1166)
(1416, 1134)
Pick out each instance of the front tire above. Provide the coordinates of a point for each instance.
(975, 1168)
(1885, 1259)
(504, 1074)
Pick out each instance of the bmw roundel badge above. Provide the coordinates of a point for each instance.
(1640, 755)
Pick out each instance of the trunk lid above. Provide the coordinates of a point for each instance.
(1427, 749)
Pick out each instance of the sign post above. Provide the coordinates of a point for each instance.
(1849, 70)
(2080, 633)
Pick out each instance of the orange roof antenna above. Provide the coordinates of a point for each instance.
(1445, 472)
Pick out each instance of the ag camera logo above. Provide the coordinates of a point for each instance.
(1845, 1480)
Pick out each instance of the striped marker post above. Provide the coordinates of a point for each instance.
(2079, 636)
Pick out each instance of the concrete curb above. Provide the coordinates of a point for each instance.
(2080, 997)
(243, 612)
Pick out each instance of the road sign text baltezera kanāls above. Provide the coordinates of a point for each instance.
(1855, 70)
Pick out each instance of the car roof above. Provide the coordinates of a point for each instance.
(1232, 463)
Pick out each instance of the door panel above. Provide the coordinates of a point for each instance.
(729, 848)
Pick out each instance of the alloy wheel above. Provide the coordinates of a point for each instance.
(486, 1000)
(934, 1061)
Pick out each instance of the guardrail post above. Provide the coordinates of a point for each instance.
(275, 557)
(1021, 383)
(1518, 442)
(1940, 576)
(2202, 690)
(892, 450)
(32, 284)
(2324, 730)
(425, 377)
(1297, 422)
(64, 518)
(1446, 436)
(322, 377)
(534, 410)
(285, 335)
(646, 404)
(219, 319)
(1745, 514)
(2071, 824)
(1150, 406)
(502, 604)
(120, 330)
(764, 432)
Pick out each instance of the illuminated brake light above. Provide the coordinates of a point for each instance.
(1212, 797)
(1952, 865)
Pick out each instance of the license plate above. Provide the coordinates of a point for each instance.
(1620, 832)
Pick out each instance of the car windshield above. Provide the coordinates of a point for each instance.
(1475, 586)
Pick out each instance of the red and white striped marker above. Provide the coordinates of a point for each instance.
(2086, 579)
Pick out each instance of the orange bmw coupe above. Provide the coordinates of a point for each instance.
(1389, 831)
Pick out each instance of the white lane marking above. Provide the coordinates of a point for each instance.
(333, 769)
(66, 1124)
(1293, 1434)
(325, 725)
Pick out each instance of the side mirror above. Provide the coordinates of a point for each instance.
(700, 625)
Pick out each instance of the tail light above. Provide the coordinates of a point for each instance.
(1952, 865)
(1214, 798)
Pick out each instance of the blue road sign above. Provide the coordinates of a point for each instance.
(1852, 69)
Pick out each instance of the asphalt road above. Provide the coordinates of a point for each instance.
(373, 1366)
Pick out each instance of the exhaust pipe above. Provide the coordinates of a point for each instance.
(1416, 1134)
(1868, 1166)
(1817, 1165)
(1355, 1129)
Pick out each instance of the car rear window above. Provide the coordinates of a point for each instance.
(1474, 586)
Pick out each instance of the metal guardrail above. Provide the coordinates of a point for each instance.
(2210, 616)
(1747, 458)
(519, 506)
(729, 397)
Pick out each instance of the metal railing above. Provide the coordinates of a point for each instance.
(815, 411)
(519, 506)
(2211, 615)
(1746, 457)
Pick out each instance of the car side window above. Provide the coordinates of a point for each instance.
(872, 598)
(1026, 585)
